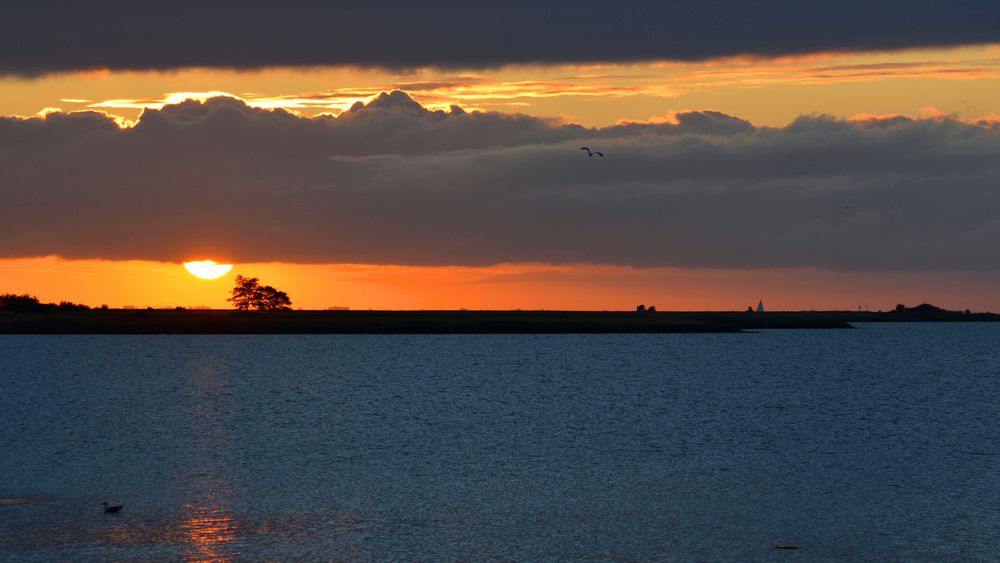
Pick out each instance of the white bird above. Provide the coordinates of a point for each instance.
(592, 153)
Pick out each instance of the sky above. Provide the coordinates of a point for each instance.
(395, 157)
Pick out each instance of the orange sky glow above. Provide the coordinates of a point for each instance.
(143, 284)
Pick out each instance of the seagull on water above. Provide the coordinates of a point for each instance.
(111, 509)
(592, 153)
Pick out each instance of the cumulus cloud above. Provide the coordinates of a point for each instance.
(62, 35)
(391, 182)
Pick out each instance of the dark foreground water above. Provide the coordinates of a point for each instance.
(869, 444)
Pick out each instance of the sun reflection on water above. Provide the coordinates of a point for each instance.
(210, 531)
(208, 527)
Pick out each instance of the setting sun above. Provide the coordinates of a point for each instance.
(207, 269)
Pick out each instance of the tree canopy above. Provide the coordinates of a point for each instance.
(248, 294)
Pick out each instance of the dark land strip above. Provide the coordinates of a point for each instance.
(116, 321)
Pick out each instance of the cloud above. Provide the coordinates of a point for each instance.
(391, 182)
(66, 35)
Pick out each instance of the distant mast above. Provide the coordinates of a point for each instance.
(760, 306)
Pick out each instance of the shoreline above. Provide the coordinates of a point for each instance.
(131, 321)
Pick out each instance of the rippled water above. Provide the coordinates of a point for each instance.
(881, 442)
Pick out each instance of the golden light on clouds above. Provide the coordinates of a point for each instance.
(158, 103)
(207, 269)
(774, 91)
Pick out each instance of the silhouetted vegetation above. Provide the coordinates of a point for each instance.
(20, 303)
(70, 306)
(248, 294)
(30, 304)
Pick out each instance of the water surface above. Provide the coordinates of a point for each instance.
(875, 443)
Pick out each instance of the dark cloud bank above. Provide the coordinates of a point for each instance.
(58, 35)
(391, 182)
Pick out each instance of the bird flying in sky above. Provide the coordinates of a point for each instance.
(592, 153)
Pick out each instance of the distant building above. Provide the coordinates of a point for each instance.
(760, 306)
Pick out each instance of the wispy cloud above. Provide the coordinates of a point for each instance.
(532, 87)
(764, 74)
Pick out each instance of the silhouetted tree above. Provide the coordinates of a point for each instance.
(273, 300)
(900, 308)
(640, 309)
(248, 294)
(245, 293)
(651, 309)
